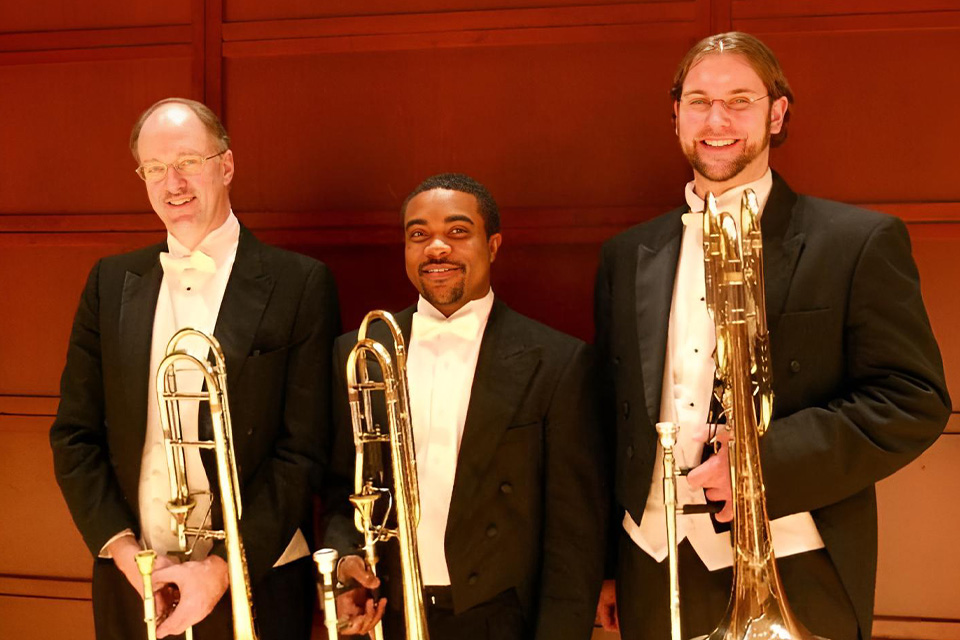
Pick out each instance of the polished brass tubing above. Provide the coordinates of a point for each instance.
(668, 440)
(182, 502)
(733, 274)
(402, 498)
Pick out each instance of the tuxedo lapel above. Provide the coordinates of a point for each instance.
(504, 367)
(138, 304)
(782, 245)
(244, 301)
(657, 256)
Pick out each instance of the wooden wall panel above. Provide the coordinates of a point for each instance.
(64, 137)
(44, 279)
(249, 10)
(31, 617)
(52, 15)
(865, 124)
(38, 537)
(540, 125)
(935, 249)
(919, 561)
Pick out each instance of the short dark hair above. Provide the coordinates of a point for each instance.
(209, 119)
(486, 205)
(758, 56)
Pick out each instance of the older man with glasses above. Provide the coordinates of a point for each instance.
(275, 314)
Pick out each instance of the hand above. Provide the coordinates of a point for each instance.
(357, 611)
(607, 607)
(713, 476)
(201, 584)
(123, 550)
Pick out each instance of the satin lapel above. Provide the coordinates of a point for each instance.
(244, 301)
(405, 320)
(138, 304)
(782, 245)
(504, 368)
(657, 257)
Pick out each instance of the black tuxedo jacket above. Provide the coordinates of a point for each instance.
(857, 374)
(276, 325)
(528, 509)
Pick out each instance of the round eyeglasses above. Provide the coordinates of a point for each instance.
(703, 104)
(185, 166)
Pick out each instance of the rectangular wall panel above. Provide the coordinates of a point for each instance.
(38, 537)
(935, 249)
(865, 125)
(50, 15)
(540, 125)
(919, 560)
(65, 137)
(29, 617)
(42, 280)
(247, 10)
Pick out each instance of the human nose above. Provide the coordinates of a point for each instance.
(718, 112)
(437, 248)
(173, 180)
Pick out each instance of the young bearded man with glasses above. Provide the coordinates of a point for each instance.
(857, 375)
(275, 314)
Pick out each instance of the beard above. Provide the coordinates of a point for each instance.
(727, 170)
(444, 294)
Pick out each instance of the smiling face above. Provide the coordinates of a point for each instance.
(189, 206)
(448, 253)
(726, 148)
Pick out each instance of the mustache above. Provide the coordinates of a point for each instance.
(440, 263)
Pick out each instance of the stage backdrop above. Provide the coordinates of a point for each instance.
(338, 109)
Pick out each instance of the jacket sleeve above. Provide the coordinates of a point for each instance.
(78, 437)
(576, 505)
(892, 403)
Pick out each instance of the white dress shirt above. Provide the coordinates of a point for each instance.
(688, 376)
(189, 297)
(191, 292)
(440, 369)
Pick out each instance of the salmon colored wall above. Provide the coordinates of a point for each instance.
(339, 109)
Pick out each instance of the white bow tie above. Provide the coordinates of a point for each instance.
(190, 270)
(426, 327)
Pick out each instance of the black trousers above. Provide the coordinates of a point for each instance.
(500, 618)
(283, 606)
(810, 581)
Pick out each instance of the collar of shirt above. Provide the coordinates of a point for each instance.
(466, 322)
(191, 270)
(219, 244)
(730, 199)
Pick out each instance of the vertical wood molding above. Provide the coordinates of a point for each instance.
(721, 16)
(197, 45)
(213, 56)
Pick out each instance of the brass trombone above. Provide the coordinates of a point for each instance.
(403, 498)
(182, 501)
(733, 270)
